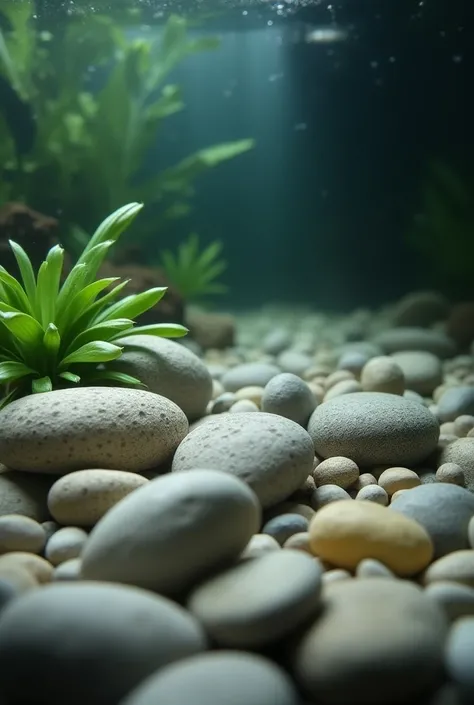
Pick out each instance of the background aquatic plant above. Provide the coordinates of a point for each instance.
(194, 271)
(53, 334)
(99, 98)
(443, 228)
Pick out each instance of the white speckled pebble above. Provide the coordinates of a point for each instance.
(272, 454)
(65, 544)
(81, 498)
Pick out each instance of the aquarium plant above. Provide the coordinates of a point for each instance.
(194, 271)
(99, 97)
(53, 333)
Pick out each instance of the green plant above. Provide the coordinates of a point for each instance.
(193, 272)
(52, 334)
(100, 99)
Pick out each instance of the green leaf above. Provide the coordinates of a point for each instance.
(51, 339)
(116, 376)
(163, 330)
(39, 386)
(97, 351)
(70, 377)
(101, 331)
(113, 226)
(15, 292)
(11, 396)
(11, 371)
(47, 285)
(25, 328)
(82, 300)
(134, 305)
(26, 271)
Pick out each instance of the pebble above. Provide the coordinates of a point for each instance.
(276, 341)
(456, 599)
(334, 575)
(326, 494)
(170, 533)
(116, 636)
(382, 374)
(273, 455)
(300, 542)
(82, 497)
(65, 544)
(371, 568)
(409, 338)
(394, 479)
(371, 626)
(336, 471)
(444, 510)
(459, 650)
(223, 402)
(457, 566)
(364, 480)
(346, 532)
(456, 401)
(346, 386)
(374, 428)
(294, 361)
(461, 452)
(353, 361)
(13, 582)
(230, 677)
(253, 394)
(69, 570)
(243, 406)
(249, 374)
(72, 429)
(373, 493)
(36, 566)
(281, 589)
(451, 473)
(288, 395)
(470, 532)
(168, 369)
(258, 545)
(422, 370)
(463, 424)
(25, 494)
(20, 533)
(282, 527)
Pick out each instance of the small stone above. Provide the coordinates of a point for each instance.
(276, 341)
(463, 424)
(69, 570)
(444, 510)
(459, 650)
(249, 374)
(376, 641)
(451, 473)
(81, 498)
(347, 386)
(20, 533)
(457, 567)
(258, 545)
(382, 374)
(422, 370)
(50, 528)
(456, 401)
(25, 494)
(336, 471)
(39, 568)
(243, 406)
(288, 395)
(252, 393)
(215, 678)
(65, 544)
(294, 361)
(353, 361)
(299, 542)
(285, 525)
(461, 452)
(335, 575)
(168, 534)
(282, 591)
(346, 532)
(456, 599)
(364, 480)
(416, 338)
(371, 568)
(326, 494)
(223, 403)
(394, 479)
(373, 493)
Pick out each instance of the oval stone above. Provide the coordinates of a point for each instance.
(374, 428)
(345, 532)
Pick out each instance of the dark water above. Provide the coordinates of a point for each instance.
(321, 209)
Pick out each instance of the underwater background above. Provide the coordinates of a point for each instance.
(331, 143)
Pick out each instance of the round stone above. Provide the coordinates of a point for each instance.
(39, 568)
(344, 533)
(65, 544)
(256, 602)
(382, 374)
(287, 395)
(376, 641)
(169, 369)
(116, 636)
(25, 494)
(285, 525)
(456, 401)
(422, 370)
(249, 374)
(461, 452)
(170, 533)
(215, 678)
(451, 473)
(373, 493)
(394, 479)
(444, 510)
(258, 545)
(20, 533)
(336, 471)
(456, 599)
(82, 497)
(374, 428)
(457, 566)
(326, 494)
(73, 429)
(411, 338)
(272, 454)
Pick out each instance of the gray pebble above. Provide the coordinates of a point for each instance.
(456, 401)
(284, 526)
(249, 374)
(287, 395)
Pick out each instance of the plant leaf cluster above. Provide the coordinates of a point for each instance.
(53, 334)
